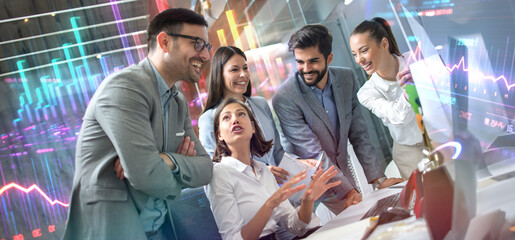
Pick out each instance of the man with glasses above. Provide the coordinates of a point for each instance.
(138, 117)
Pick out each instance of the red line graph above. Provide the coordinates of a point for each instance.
(27, 190)
(416, 55)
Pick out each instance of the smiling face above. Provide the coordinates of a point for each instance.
(312, 66)
(183, 60)
(235, 126)
(368, 53)
(236, 77)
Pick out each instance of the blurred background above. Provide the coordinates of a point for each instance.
(55, 53)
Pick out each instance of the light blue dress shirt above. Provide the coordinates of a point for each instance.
(154, 212)
(326, 98)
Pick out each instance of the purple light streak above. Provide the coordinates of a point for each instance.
(121, 30)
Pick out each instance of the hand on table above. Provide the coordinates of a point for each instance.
(352, 198)
(390, 181)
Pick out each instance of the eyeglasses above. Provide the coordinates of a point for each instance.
(200, 43)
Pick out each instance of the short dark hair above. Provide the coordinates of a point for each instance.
(216, 75)
(312, 35)
(258, 145)
(378, 28)
(171, 20)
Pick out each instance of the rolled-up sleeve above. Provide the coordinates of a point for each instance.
(290, 218)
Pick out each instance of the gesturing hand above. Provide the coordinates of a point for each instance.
(286, 190)
(319, 184)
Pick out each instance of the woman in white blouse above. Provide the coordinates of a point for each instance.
(246, 201)
(375, 49)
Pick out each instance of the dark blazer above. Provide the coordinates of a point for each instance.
(307, 127)
(125, 119)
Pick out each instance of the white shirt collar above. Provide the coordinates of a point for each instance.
(238, 165)
(383, 84)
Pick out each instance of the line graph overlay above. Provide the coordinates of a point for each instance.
(461, 64)
(416, 56)
(27, 190)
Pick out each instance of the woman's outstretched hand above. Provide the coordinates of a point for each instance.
(404, 77)
(319, 184)
(286, 190)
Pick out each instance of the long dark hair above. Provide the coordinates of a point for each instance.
(216, 75)
(378, 28)
(258, 145)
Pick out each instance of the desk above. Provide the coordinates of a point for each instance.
(494, 201)
(347, 224)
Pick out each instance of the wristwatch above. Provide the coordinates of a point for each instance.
(378, 182)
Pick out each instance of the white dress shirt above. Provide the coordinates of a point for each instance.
(236, 194)
(386, 100)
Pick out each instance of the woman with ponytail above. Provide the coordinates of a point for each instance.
(374, 48)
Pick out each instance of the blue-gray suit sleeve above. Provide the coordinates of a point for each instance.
(205, 132)
(194, 171)
(304, 142)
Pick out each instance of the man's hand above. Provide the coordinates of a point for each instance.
(280, 174)
(352, 198)
(187, 147)
(120, 172)
(118, 169)
(390, 181)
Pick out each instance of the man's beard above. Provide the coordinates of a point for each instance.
(319, 78)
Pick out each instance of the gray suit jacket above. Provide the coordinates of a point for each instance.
(307, 127)
(125, 119)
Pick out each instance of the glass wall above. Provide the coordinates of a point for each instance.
(263, 28)
(55, 53)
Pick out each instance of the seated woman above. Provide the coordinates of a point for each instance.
(246, 201)
(230, 77)
(375, 49)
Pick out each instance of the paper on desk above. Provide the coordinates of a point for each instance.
(291, 164)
